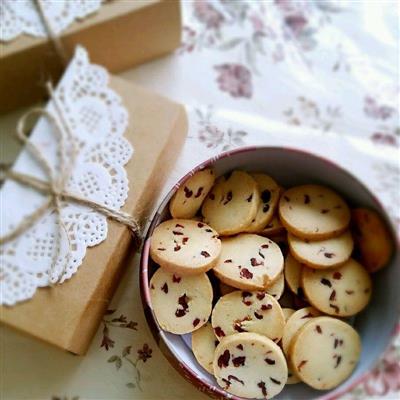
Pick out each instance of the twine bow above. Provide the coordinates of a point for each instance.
(55, 187)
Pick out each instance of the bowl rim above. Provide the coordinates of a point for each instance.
(158, 333)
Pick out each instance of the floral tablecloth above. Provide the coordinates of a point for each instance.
(320, 75)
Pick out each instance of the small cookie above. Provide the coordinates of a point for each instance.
(320, 254)
(273, 228)
(249, 262)
(342, 291)
(185, 246)
(250, 365)
(248, 312)
(204, 345)
(313, 212)
(232, 203)
(276, 289)
(292, 270)
(181, 304)
(294, 323)
(287, 312)
(324, 352)
(269, 193)
(373, 239)
(188, 198)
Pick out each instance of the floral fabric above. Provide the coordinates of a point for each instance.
(319, 75)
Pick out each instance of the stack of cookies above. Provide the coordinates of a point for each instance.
(264, 279)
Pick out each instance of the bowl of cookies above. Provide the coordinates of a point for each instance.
(271, 272)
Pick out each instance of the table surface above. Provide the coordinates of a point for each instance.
(316, 75)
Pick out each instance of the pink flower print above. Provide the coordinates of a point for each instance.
(235, 79)
(376, 111)
(207, 14)
(257, 22)
(211, 136)
(384, 138)
(296, 24)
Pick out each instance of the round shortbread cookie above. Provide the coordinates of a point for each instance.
(248, 312)
(313, 212)
(189, 197)
(269, 193)
(342, 291)
(287, 312)
(204, 345)
(292, 270)
(324, 352)
(181, 304)
(249, 262)
(292, 378)
(185, 246)
(373, 239)
(273, 228)
(232, 203)
(294, 323)
(277, 288)
(320, 254)
(250, 365)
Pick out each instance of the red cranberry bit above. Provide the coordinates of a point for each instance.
(286, 198)
(228, 261)
(179, 226)
(275, 381)
(336, 308)
(176, 278)
(350, 291)
(309, 315)
(269, 361)
(239, 346)
(249, 198)
(260, 295)
(245, 273)
(261, 255)
(229, 196)
(177, 247)
(196, 322)
(265, 208)
(227, 383)
(164, 288)
(257, 315)
(200, 224)
(326, 282)
(216, 343)
(301, 365)
(188, 192)
(199, 192)
(185, 240)
(324, 211)
(151, 286)
(235, 378)
(329, 255)
(264, 246)
(337, 275)
(265, 196)
(318, 329)
(211, 196)
(306, 199)
(223, 359)
(209, 230)
(205, 254)
(219, 332)
(183, 302)
(266, 307)
(238, 361)
(332, 297)
(180, 313)
(161, 249)
(177, 233)
(255, 263)
(261, 385)
(338, 360)
(338, 342)
(238, 327)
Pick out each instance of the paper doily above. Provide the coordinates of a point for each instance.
(21, 16)
(98, 120)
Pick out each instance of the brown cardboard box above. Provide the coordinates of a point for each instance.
(68, 315)
(121, 34)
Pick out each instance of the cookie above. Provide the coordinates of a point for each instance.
(373, 239)
(292, 378)
(292, 271)
(248, 312)
(325, 253)
(277, 288)
(269, 193)
(204, 345)
(287, 312)
(181, 304)
(190, 195)
(294, 323)
(249, 262)
(273, 228)
(250, 365)
(232, 203)
(313, 212)
(184, 246)
(342, 291)
(324, 352)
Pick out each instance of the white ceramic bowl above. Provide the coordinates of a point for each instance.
(289, 167)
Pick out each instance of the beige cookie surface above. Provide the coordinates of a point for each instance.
(325, 253)
(273, 228)
(181, 304)
(185, 246)
(277, 288)
(249, 262)
(292, 270)
(204, 344)
(324, 352)
(373, 238)
(341, 292)
(294, 323)
(242, 311)
(287, 312)
(269, 193)
(232, 203)
(250, 365)
(189, 197)
(313, 212)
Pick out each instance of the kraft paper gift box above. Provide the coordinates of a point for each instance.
(121, 34)
(67, 315)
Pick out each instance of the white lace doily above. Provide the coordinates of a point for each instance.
(21, 16)
(98, 120)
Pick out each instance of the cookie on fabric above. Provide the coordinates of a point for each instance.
(232, 203)
(341, 292)
(242, 311)
(184, 246)
(181, 304)
(313, 212)
(204, 345)
(373, 239)
(249, 262)
(325, 253)
(189, 197)
(324, 352)
(250, 365)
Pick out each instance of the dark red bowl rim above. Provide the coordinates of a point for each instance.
(157, 331)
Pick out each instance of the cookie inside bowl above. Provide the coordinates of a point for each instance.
(289, 168)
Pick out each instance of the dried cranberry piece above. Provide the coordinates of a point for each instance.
(211, 196)
(219, 332)
(200, 224)
(332, 297)
(199, 192)
(185, 240)
(161, 249)
(265, 208)
(176, 278)
(337, 275)
(196, 321)
(228, 261)
(245, 273)
(255, 263)
(269, 361)
(239, 346)
(336, 308)
(265, 196)
(261, 385)
(250, 198)
(235, 378)
(257, 315)
(177, 233)
(286, 198)
(223, 359)
(188, 192)
(177, 247)
(238, 327)
(338, 360)
(260, 295)
(164, 288)
(350, 291)
(329, 255)
(238, 361)
(306, 199)
(275, 381)
(318, 329)
(179, 226)
(264, 246)
(229, 196)
(266, 307)
(205, 254)
(326, 282)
